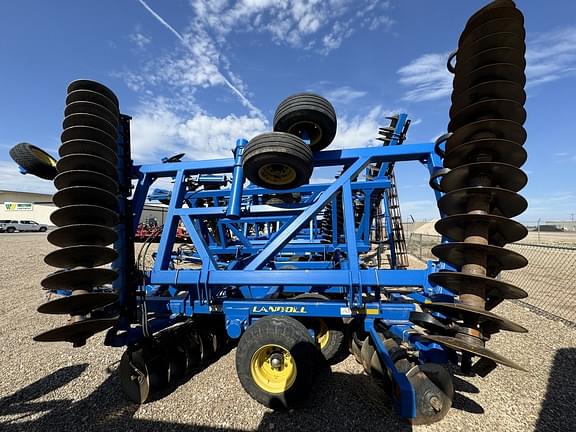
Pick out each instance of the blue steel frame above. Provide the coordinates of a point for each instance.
(253, 264)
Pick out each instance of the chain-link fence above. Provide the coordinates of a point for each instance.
(549, 279)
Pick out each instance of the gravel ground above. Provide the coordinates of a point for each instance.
(52, 387)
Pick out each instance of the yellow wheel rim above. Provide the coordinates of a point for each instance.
(322, 334)
(273, 368)
(277, 174)
(305, 128)
(43, 157)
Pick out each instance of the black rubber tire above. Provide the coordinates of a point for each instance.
(290, 334)
(34, 160)
(42, 229)
(271, 152)
(307, 111)
(10, 230)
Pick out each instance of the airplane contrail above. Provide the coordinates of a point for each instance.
(245, 101)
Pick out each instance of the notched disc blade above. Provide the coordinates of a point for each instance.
(77, 331)
(89, 133)
(491, 128)
(81, 256)
(502, 202)
(488, 90)
(85, 119)
(92, 108)
(94, 97)
(484, 150)
(80, 304)
(85, 178)
(501, 230)
(497, 258)
(84, 214)
(492, 72)
(462, 312)
(488, 109)
(79, 278)
(495, 288)
(93, 148)
(94, 86)
(459, 345)
(83, 161)
(501, 175)
(85, 195)
(85, 234)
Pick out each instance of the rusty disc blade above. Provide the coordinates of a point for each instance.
(92, 108)
(76, 332)
(79, 278)
(495, 288)
(83, 161)
(485, 150)
(89, 133)
(85, 119)
(85, 195)
(501, 230)
(497, 258)
(491, 128)
(500, 174)
(497, 25)
(462, 311)
(85, 178)
(93, 148)
(502, 202)
(510, 39)
(79, 304)
(85, 234)
(84, 214)
(488, 109)
(469, 61)
(94, 86)
(81, 256)
(492, 72)
(487, 90)
(460, 345)
(94, 97)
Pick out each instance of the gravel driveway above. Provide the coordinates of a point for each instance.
(52, 387)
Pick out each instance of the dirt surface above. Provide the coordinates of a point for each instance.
(52, 387)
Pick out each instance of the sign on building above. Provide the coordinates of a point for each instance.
(14, 206)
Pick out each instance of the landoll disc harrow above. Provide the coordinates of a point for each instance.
(296, 274)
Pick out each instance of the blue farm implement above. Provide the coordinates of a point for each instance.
(294, 273)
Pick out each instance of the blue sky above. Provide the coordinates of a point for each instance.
(195, 75)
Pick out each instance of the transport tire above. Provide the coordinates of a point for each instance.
(308, 116)
(34, 160)
(277, 160)
(275, 361)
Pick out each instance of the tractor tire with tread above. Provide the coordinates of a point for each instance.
(34, 160)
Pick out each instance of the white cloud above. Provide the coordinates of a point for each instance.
(427, 78)
(140, 40)
(11, 179)
(343, 95)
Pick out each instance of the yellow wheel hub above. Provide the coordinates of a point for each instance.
(322, 334)
(273, 369)
(277, 174)
(43, 157)
(309, 130)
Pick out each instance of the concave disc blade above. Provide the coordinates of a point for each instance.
(83, 84)
(501, 175)
(491, 40)
(76, 331)
(134, 376)
(79, 278)
(92, 108)
(492, 11)
(93, 148)
(484, 150)
(494, 26)
(80, 304)
(460, 345)
(81, 256)
(85, 178)
(82, 161)
(88, 133)
(84, 214)
(502, 202)
(469, 60)
(501, 230)
(459, 254)
(491, 128)
(85, 234)
(84, 119)
(492, 72)
(489, 108)
(94, 97)
(495, 288)
(85, 195)
(462, 312)
(488, 90)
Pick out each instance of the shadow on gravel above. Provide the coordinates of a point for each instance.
(559, 407)
(462, 402)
